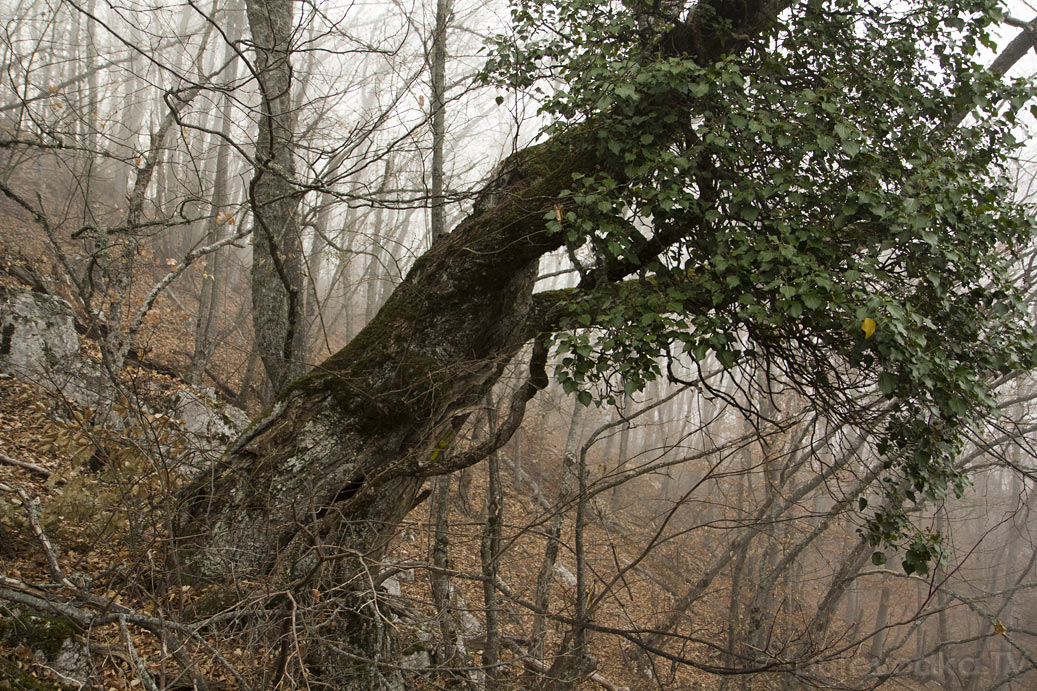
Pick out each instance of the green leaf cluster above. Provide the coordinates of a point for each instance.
(759, 208)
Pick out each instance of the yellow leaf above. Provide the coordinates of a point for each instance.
(559, 212)
(868, 327)
(999, 628)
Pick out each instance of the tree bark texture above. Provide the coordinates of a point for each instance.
(439, 54)
(276, 241)
(489, 553)
(376, 418)
(311, 493)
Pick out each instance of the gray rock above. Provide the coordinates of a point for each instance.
(566, 575)
(417, 660)
(39, 343)
(469, 626)
(392, 586)
(208, 425)
(71, 662)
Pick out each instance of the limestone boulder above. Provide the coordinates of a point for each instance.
(39, 343)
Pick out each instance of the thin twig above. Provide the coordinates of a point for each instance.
(32, 511)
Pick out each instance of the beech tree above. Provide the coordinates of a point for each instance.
(785, 187)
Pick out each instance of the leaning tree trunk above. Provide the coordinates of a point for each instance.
(310, 495)
(312, 492)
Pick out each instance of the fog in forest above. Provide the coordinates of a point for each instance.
(203, 203)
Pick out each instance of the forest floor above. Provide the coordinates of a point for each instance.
(87, 517)
(101, 496)
(105, 513)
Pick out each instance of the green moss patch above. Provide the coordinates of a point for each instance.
(45, 634)
(40, 634)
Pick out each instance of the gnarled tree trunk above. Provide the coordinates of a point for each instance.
(312, 492)
(309, 496)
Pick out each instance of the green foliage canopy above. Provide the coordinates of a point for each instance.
(758, 209)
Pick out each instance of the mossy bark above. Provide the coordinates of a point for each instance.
(355, 437)
(310, 495)
(44, 634)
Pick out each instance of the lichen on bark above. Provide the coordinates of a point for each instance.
(315, 491)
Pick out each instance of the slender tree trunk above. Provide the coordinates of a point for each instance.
(943, 602)
(442, 588)
(208, 302)
(762, 587)
(843, 582)
(489, 551)
(878, 642)
(516, 458)
(624, 450)
(314, 310)
(251, 364)
(439, 55)
(734, 610)
(91, 115)
(376, 275)
(554, 530)
(129, 127)
(276, 245)
(573, 664)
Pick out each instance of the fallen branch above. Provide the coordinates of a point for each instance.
(38, 599)
(142, 671)
(32, 512)
(25, 465)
